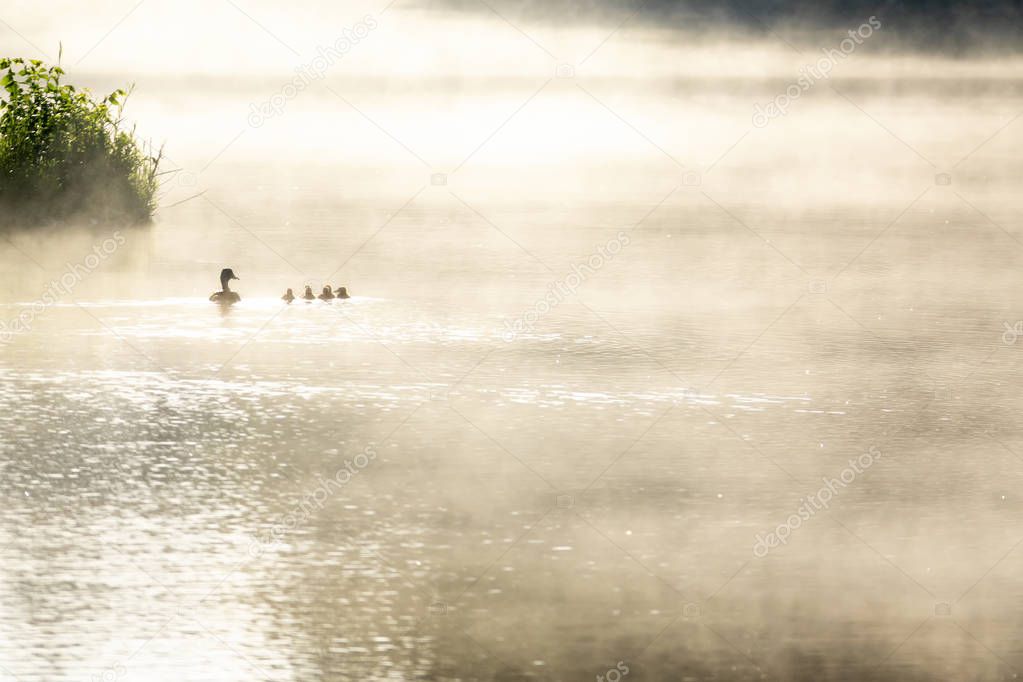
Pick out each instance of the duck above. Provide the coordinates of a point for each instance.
(327, 294)
(225, 296)
(342, 292)
(308, 295)
(288, 296)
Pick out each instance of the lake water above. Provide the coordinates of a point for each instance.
(398, 487)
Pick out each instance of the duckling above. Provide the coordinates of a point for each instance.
(225, 296)
(288, 296)
(308, 295)
(327, 294)
(342, 292)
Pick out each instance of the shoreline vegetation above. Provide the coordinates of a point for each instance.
(64, 155)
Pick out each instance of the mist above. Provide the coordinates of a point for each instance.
(681, 345)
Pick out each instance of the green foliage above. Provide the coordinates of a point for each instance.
(64, 155)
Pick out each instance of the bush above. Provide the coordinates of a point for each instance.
(64, 155)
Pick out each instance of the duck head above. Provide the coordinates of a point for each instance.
(226, 275)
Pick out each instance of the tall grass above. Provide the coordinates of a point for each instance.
(64, 154)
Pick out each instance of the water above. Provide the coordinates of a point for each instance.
(544, 504)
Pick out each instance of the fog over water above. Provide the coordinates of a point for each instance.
(638, 374)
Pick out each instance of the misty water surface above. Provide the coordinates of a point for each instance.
(548, 503)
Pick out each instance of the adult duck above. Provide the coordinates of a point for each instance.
(342, 292)
(225, 296)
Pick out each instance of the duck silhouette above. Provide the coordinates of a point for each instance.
(327, 294)
(342, 292)
(288, 296)
(225, 296)
(308, 295)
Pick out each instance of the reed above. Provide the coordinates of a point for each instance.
(65, 154)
